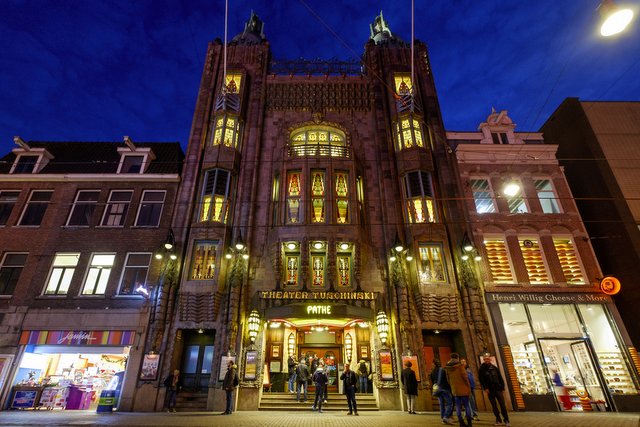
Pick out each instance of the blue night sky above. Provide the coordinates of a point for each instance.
(97, 70)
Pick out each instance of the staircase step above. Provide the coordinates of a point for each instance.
(336, 402)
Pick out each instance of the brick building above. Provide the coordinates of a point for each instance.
(541, 279)
(79, 223)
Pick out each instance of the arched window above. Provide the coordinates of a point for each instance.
(318, 141)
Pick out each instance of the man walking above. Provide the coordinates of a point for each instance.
(349, 381)
(460, 388)
(491, 381)
(302, 377)
(229, 383)
(320, 380)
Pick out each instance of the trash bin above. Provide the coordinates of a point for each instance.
(107, 401)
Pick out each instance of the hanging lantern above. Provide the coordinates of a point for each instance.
(348, 346)
(382, 323)
(254, 325)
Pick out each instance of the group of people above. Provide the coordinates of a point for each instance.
(454, 383)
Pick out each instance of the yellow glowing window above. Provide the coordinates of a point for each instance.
(569, 261)
(431, 267)
(317, 196)
(293, 197)
(403, 84)
(409, 133)
(419, 193)
(344, 270)
(342, 194)
(215, 196)
(498, 259)
(204, 260)
(225, 131)
(318, 142)
(232, 82)
(317, 270)
(533, 261)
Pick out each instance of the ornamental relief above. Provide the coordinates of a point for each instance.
(318, 96)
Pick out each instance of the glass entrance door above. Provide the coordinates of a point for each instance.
(197, 359)
(331, 357)
(572, 370)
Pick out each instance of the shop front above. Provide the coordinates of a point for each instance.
(69, 369)
(566, 352)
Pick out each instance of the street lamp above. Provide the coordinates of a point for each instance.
(614, 18)
(382, 324)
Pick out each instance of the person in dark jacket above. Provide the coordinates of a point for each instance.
(320, 380)
(460, 388)
(472, 383)
(349, 380)
(410, 383)
(445, 399)
(229, 383)
(173, 385)
(302, 377)
(492, 382)
(363, 376)
(292, 372)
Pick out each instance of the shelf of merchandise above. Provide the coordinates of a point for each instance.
(616, 374)
(529, 372)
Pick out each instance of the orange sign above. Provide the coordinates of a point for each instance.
(610, 285)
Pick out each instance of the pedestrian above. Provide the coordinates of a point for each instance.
(492, 382)
(460, 388)
(292, 372)
(349, 381)
(173, 384)
(320, 380)
(325, 369)
(302, 377)
(472, 383)
(229, 383)
(445, 400)
(410, 383)
(363, 376)
(561, 391)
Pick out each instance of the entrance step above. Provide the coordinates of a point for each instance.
(191, 401)
(335, 402)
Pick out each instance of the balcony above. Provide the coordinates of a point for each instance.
(319, 150)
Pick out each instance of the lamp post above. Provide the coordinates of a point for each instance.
(238, 255)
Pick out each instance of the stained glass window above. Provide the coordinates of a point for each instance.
(203, 266)
(342, 197)
(317, 269)
(344, 270)
(292, 262)
(317, 196)
(409, 132)
(293, 197)
(225, 130)
(431, 268)
(232, 82)
(420, 203)
(215, 196)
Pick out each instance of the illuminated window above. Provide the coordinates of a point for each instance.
(342, 197)
(533, 261)
(344, 261)
(98, 274)
(64, 265)
(291, 263)
(569, 261)
(215, 196)
(232, 82)
(360, 194)
(431, 268)
(409, 132)
(420, 203)
(547, 196)
(136, 268)
(225, 130)
(293, 197)
(317, 197)
(516, 203)
(498, 259)
(482, 196)
(203, 264)
(275, 195)
(317, 270)
(403, 84)
(323, 141)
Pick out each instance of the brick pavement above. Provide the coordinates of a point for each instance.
(310, 419)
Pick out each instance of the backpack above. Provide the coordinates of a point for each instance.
(363, 369)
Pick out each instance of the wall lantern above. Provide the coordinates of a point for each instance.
(348, 346)
(254, 325)
(382, 323)
(610, 285)
(292, 344)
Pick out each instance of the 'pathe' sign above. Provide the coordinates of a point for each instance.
(317, 295)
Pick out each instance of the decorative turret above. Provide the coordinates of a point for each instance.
(380, 31)
(253, 32)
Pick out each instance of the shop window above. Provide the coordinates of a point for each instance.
(150, 208)
(10, 269)
(516, 203)
(360, 191)
(318, 141)
(431, 266)
(419, 194)
(294, 197)
(134, 274)
(83, 208)
(498, 259)
(317, 197)
(554, 320)
(215, 196)
(98, 274)
(204, 260)
(526, 357)
(344, 263)
(115, 213)
(8, 200)
(225, 130)
(318, 257)
(547, 197)
(291, 252)
(533, 261)
(64, 265)
(25, 163)
(342, 197)
(408, 132)
(483, 196)
(569, 261)
(36, 207)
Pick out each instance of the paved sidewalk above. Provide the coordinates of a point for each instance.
(310, 419)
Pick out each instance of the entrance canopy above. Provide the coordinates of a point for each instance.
(312, 313)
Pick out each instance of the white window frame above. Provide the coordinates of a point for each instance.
(99, 279)
(4, 264)
(26, 206)
(520, 196)
(63, 268)
(124, 271)
(36, 165)
(551, 200)
(492, 195)
(142, 203)
(76, 203)
(145, 152)
(111, 202)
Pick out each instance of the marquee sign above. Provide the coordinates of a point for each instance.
(317, 295)
(77, 337)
